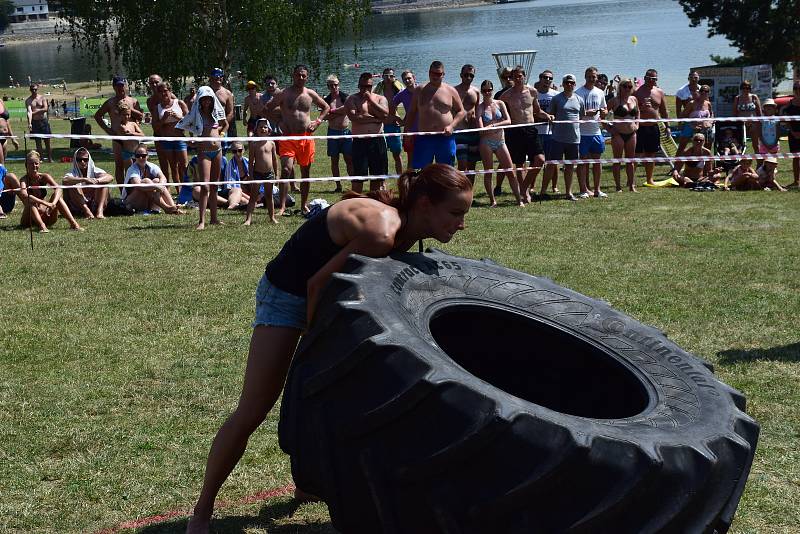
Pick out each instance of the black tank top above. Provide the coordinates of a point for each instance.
(305, 253)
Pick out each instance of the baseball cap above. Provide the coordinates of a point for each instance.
(251, 83)
(118, 80)
(769, 102)
(217, 72)
(568, 78)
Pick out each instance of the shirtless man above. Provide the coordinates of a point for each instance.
(110, 107)
(683, 98)
(389, 87)
(37, 107)
(295, 103)
(467, 152)
(652, 105)
(522, 102)
(225, 98)
(263, 162)
(437, 107)
(338, 124)
(252, 107)
(271, 90)
(368, 113)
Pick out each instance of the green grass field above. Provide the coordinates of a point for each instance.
(122, 348)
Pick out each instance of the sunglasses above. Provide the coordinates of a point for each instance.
(364, 86)
(548, 78)
(82, 159)
(487, 90)
(569, 82)
(141, 155)
(238, 150)
(333, 85)
(467, 75)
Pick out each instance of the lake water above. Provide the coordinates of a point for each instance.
(591, 32)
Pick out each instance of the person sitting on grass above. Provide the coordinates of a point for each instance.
(743, 177)
(237, 169)
(431, 203)
(127, 127)
(91, 202)
(8, 197)
(768, 174)
(38, 211)
(153, 195)
(695, 171)
(264, 158)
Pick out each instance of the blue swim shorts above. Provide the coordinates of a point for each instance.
(393, 142)
(427, 147)
(339, 146)
(276, 307)
(592, 144)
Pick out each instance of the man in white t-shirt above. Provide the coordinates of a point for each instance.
(546, 93)
(683, 97)
(592, 142)
(152, 196)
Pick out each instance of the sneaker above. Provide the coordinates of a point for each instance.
(571, 197)
(599, 194)
(583, 194)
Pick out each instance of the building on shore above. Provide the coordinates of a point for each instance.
(29, 10)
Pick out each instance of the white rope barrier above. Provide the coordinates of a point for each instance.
(277, 181)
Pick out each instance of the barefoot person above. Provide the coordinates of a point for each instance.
(36, 210)
(38, 123)
(652, 105)
(90, 201)
(743, 177)
(206, 119)
(154, 194)
(522, 102)
(225, 98)
(110, 107)
(431, 203)
(152, 107)
(390, 87)
(623, 134)
(468, 151)
(251, 109)
(493, 112)
(295, 103)
(437, 108)
(264, 163)
(695, 171)
(368, 111)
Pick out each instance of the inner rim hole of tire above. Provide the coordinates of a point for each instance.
(538, 362)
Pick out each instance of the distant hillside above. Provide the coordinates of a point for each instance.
(395, 6)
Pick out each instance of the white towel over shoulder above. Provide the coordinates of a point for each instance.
(193, 122)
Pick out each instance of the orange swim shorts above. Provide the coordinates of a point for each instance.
(300, 149)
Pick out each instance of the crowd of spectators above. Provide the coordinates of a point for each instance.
(448, 115)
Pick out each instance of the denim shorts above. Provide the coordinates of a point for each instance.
(276, 307)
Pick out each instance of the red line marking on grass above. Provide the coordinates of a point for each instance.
(158, 518)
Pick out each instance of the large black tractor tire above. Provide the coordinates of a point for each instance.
(434, 393)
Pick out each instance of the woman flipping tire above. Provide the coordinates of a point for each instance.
(441, 394)
(431, 203)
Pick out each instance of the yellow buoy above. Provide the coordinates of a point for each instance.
(634, 39)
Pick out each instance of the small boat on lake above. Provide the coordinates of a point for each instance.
(546, 31)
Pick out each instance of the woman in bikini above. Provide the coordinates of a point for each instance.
(491, 112)
(747, 104)
(209, 153)
(5, 133)
(36, 210)
(431, 203)
(170, 111)
(700, 108)
(698, 170)
(623, 134)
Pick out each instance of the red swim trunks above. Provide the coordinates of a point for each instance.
(300, 149)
